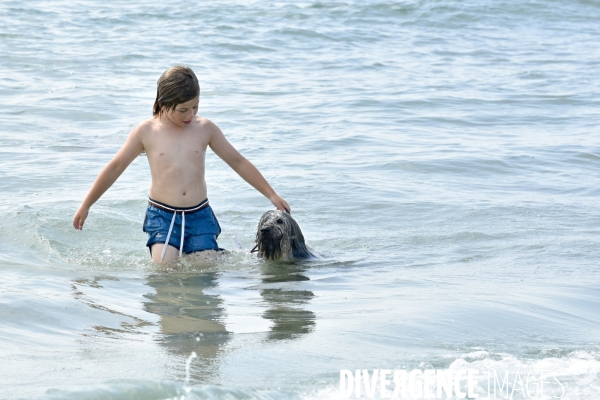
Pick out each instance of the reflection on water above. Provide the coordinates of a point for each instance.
(186, 312)
(190, 320)
(290, 319)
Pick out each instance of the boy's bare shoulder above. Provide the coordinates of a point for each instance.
(146, 126)
(210, 127)
(143, 132)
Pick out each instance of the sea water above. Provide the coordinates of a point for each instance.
(441, 156)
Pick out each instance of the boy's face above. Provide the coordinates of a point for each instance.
(182, 114)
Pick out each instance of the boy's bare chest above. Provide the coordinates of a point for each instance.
(175, 148)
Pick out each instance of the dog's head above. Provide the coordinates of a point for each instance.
(279, 237)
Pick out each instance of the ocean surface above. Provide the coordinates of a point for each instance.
(442, 157)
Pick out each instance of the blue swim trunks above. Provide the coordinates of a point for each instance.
(199, 224)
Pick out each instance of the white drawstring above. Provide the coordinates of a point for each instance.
(169, 235)
(182, 233)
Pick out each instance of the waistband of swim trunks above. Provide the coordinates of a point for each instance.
(187, 210)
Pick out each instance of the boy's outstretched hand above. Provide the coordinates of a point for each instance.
(79, 218)
(280, 203)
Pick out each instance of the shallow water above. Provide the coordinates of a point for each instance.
(442, 157)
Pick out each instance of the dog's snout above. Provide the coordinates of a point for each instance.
(266, 229)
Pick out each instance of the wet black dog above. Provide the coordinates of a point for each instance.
(279, 237)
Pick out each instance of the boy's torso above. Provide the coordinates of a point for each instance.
(176, 157)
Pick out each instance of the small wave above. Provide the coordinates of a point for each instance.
(571, 374)
(304, 33)
(245, 47)
(127, 389)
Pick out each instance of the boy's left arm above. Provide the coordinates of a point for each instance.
(244, 168)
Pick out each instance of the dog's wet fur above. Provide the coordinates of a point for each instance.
(279, 238)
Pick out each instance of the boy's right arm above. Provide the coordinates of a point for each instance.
(131, 149)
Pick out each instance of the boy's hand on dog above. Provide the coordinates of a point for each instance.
(280, 203)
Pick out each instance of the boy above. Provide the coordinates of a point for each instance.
(178, 218)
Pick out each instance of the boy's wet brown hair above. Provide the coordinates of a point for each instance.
(175, 86)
